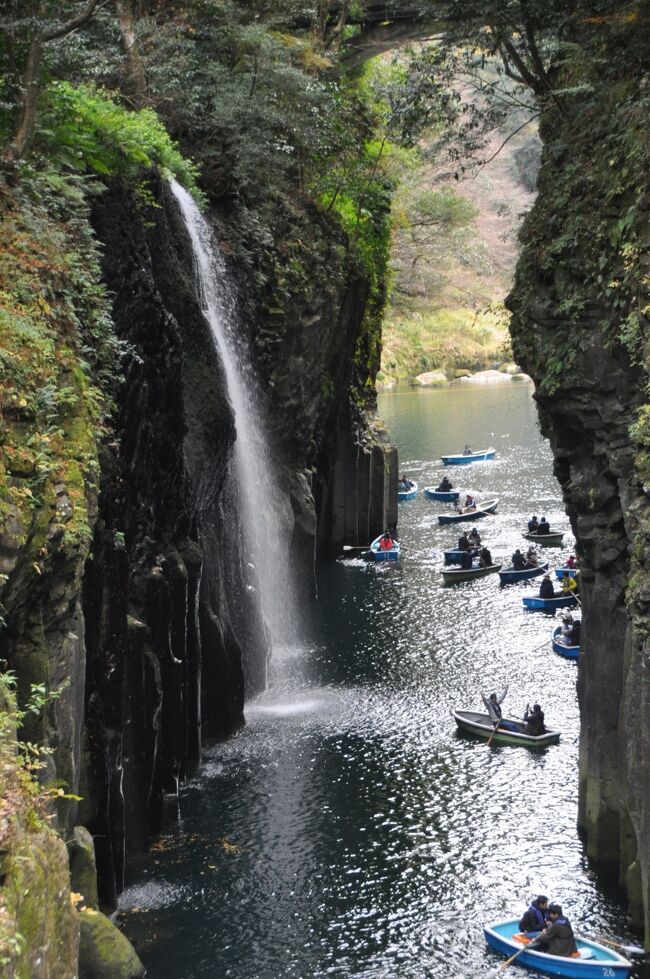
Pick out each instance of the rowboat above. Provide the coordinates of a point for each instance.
(466, 574)
(463, 460)
(594, 959)
(472, 722)
(569, 652)
(455, 557)
(409, 494)
(379, 555)
(536, 603)
(482, 510)
(508, 575)
(564, 572)
(444, 496)
(545, 540)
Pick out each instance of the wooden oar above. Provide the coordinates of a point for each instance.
(504, 965)
(628, 949)
(359, 547)
(493, 733)
(547, 643)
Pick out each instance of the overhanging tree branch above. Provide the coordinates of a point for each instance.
(22, 141)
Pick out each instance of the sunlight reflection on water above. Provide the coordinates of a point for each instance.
(349, 830)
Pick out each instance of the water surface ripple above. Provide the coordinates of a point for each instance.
(349, 831)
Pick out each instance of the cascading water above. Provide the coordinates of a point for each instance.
(265, 511)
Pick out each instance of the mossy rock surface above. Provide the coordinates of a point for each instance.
(104, 952)
(36, 897)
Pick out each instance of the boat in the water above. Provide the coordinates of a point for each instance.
(535, 603)
(594, 960)
(451, 576)
(463, 459)
(482, 510)
(545, 540)
(473, 722)
(566, 572)
(408, 494)
(390, 554)
(444, 496)
(508, 575)
(562, 648)
(456, 556)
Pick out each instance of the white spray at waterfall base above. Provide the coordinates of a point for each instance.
(267, 518)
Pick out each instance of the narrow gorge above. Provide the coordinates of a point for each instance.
(188, 357)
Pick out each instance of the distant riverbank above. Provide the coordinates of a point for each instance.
(504, 374)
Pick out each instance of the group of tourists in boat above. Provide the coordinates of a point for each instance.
(469, 544)
(544, 926)
(533, 717)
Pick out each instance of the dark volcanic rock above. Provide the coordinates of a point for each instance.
(579, 284)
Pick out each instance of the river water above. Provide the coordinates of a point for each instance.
(348, 830)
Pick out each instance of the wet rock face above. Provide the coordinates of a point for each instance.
(590, 391)
(168, 619)
(315, 331)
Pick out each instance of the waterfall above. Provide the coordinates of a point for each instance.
(266, 515)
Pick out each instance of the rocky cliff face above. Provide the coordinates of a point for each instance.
(579, 325)
(315, 325)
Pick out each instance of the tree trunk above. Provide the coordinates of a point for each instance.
(136, 81)
(22, 141)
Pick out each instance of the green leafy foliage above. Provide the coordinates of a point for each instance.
(83, 128)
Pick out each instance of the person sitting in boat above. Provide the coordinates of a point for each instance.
(569, 585)
(463, 542)
(572, 561)
(386, 542)
(546, 588)
(531, 557)
(445, 485)
(474, 537)
(557, 938)
(574, 635)
(493, 707)
(567, 626)
(536, 917)
(533, 524)
(405, 484)
(518, 561)
(467, 451)
(534, 720)
(544, 526)
(485, 558)
(466, 560)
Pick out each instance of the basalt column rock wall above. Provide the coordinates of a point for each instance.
(316, 329)
(171, 633)
(578, 328)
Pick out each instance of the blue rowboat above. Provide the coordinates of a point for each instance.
(472, 722)
(569, 652)
(455, 557)
(536, 604)
(409, 494)
(482, 510)
(594, 960)
(379, 555)
(508, 575)
(450, 496)
(564, 572)
(464, 460)
(545, 540)
(451, 577)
